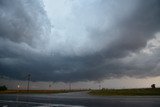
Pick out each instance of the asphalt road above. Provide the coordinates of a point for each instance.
(76, 99)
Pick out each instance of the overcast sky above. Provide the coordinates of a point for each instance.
(79, 40)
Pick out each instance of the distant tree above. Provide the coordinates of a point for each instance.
(3, 88)
(153, 86)
(103, 89)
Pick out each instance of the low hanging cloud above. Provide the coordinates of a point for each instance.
(89, 41)
(23, 21)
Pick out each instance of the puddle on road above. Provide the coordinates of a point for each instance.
(59, 105)
(5, 103)
(51, 105)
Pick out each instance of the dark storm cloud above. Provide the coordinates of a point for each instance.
(24, 27)
(133, 31)
(22, 21)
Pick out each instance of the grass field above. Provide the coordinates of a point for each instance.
(103, 92)
(127, 92)
(36, 91)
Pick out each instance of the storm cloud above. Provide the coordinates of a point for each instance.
(79, 40)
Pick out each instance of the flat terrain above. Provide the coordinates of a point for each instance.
(103, 92)
(76, 99)
(127, 92)
(36, 91)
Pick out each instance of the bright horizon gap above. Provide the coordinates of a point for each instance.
(122, 83)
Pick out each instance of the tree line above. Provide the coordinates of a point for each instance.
(3, 88)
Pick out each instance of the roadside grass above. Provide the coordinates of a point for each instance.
(127, 92)
(37, 91)
(103, 92)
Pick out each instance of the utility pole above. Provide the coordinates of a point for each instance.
(28, 78)
(99, 85)
(69, 85)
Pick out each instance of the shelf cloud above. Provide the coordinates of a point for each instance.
(79, 40)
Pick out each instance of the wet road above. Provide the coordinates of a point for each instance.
(76, 99)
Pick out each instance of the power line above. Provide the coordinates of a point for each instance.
(28, 78)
